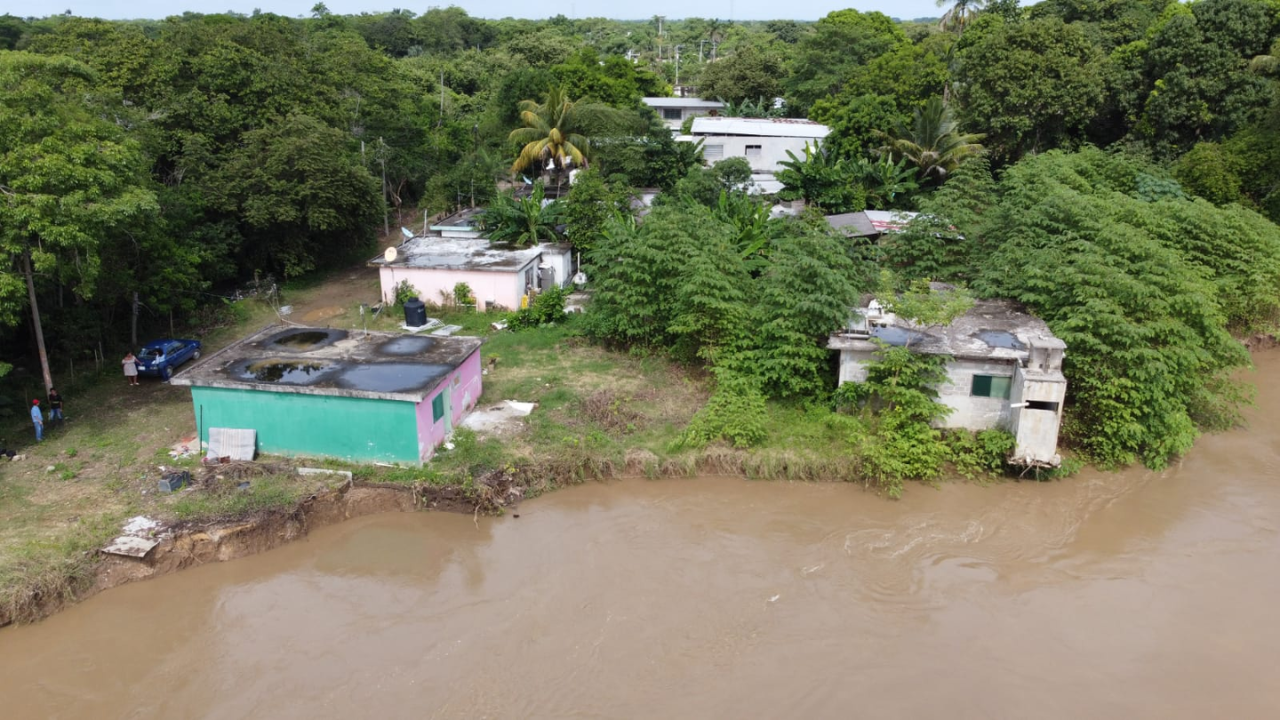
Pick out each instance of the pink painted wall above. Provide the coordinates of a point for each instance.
(465, 387)
(504, 288)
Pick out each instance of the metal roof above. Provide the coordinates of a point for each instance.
(760, 127)
(658, 102)
(870, 222)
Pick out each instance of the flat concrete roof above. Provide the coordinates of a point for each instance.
(465, 219)
(990, 330)
(759, 127)
(324, 361)
(435, 252)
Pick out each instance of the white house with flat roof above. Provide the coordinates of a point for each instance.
(675, 110)
(1004, 369)
(764, 143)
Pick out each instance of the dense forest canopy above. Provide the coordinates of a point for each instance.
(1126, 149)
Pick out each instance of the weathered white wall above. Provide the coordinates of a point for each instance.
(973, 413)
(1036, 431)
(559, 257)
(773, 150)
(503, 288)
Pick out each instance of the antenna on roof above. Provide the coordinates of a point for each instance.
(390, 255)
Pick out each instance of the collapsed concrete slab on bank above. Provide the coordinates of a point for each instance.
(332, 393)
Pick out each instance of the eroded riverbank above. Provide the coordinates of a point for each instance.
(1123, 595)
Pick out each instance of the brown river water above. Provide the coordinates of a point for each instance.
(1125, 595)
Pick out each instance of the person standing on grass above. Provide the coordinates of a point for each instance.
(38, 419)
(130, 364)
(55, 406)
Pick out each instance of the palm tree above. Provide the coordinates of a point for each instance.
(961, 13)
(933, 143)
(553, 132)
(522, 221)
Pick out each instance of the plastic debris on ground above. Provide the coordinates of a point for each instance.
(447, 330)
(138, 538)
(432, 324)
(498, 419)
(345, 474)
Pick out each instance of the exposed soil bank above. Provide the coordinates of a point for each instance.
(191, 544)
(188, 545)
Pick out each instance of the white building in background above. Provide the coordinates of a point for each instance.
(1005, 369)
(675, 110)
(764, 142)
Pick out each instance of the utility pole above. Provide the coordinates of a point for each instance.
(678, 65)
(660, 19)
(386, 206)
(700, 44)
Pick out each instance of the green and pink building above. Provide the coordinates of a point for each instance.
(319, 392)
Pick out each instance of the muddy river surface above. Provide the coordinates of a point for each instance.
(1130, 595)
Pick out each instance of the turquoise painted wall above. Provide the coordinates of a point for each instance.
(358, 429)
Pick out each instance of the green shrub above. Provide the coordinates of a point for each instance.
(981, 454)
(546, 308)
(735, 413)
(405, 292)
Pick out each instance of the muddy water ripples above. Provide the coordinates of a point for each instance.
(1121, 595)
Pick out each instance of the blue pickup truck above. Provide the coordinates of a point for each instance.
(161, 358)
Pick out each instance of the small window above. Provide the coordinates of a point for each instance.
(1042, 405)
(992, 386)
(437, 408)
(672, 114)
(753, 151)
(712, 152)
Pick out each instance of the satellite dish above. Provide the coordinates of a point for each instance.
(390, 254)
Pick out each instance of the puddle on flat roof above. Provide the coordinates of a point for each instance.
(390, 377)
(285, 372)
(897, 336)
(1000, 338)
(304, 340)
(407, 345)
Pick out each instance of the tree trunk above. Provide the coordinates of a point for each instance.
(133, 322)
(35, 319)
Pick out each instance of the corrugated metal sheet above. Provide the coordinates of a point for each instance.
(235, 443)
(760, 127)
(656, 102)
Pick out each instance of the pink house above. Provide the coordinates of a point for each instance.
(454, 252)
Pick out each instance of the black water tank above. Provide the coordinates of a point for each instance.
(415, 313)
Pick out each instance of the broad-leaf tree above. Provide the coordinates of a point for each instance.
(69, 177)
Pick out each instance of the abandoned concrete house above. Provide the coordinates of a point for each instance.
(1005, 369)
(454, 250)
(332, 393)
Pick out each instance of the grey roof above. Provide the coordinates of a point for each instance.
(435, 252)
(870, 222)
(991, 329)
(856, 224)
(324, 361)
